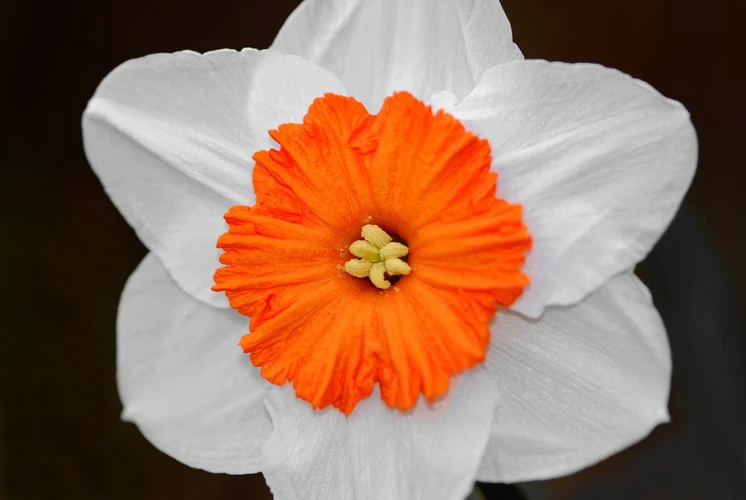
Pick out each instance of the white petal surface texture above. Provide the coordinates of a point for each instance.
(578, 385)
(378, 46)
(377, 453)
(599, 161)
(171, 138)
(184, 380)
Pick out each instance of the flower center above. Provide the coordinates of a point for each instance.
(379, 257)
(420, 175)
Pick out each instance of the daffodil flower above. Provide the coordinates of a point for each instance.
(433, 239)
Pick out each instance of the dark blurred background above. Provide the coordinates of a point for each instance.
(66, 252)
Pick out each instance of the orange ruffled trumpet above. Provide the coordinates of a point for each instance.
(426, 182)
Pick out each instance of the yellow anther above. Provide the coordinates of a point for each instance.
(396, 266)
(375, 235)
(364, 250)
(377, 271)
(359, 268)
(393, 250)
(377, 255)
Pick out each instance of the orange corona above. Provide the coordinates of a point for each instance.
(376, 252)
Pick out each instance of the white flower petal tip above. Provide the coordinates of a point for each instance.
(599, 161)
(171, 137)
(431, 452)
(182, 378)
(377, 47)
(577, 386)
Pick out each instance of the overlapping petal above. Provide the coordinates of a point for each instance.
(599, 161)
(578, 385)
(431, 453)
(182, 378)
(377, 47)
(171, 137)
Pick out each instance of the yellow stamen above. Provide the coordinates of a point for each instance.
(378, 255)
(396, 266)
(393, 250)
(376, 276)
(375, 235)
(359, 268)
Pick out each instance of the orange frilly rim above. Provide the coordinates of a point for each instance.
(421, 177)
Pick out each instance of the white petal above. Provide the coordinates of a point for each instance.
(577, 385)
(171, 138)
(378, 46)
(378, 453)
(184, 380)
(599, 161)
